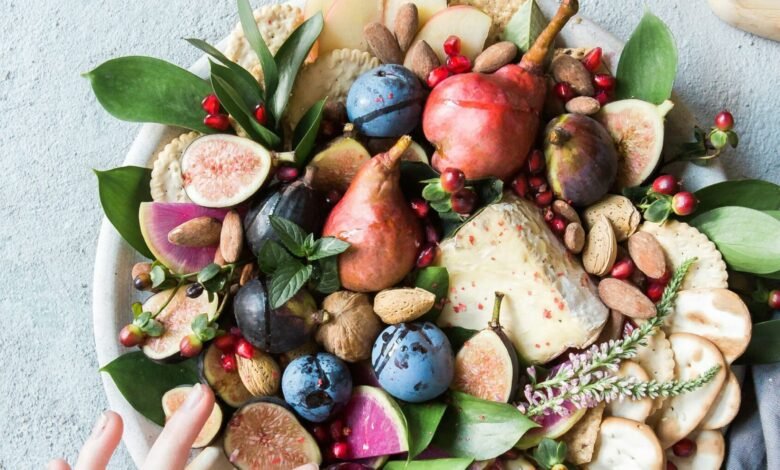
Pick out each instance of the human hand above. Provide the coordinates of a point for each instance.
(169, 452)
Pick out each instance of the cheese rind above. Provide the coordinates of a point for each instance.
(550, 305)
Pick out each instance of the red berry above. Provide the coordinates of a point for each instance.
(604, 82)
(538, 183)
(131, 336)
(432, 233)
(245, 349)
(219, 122)
(520, 185)
(602, 97)
(333, 197)
(724, 121)
(774, 299)
(564, 92)
(190, 345)
(458, 64)
(420, 207)
(225, 343)
(425, 258)
(437, 75)
(684, 448)
(452, 180)
(210, 104)
(655, 290)
(336, 429)
(228, 362)
(666, 184)
(287, 174)
(684, 203)
(536, 162)
(452, 45)
(548, 214)
(340, 450)
(261, 115)
(623, 269)
(463, 201)
(320, 434)
(592, 61)
(558, 225)
(670, 465)
(544, 199)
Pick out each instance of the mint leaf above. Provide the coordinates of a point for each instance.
(292, 236)
(328, 246)
(308, 245)
(271, 256)
(287, 281)
(255, 39)
(328, 280)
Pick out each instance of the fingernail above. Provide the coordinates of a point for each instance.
(193, 398)
(100, 425)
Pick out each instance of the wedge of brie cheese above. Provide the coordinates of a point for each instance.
(551, 304)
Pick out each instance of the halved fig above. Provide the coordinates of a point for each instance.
(265, 434)
(222, 170)
(637, 127)
(174, 398)
(487, 366)
(226, 385)
(176, 319)
(338, 164)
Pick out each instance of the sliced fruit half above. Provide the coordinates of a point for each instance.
(377, 423)
(470, 24)
(338, 164)
(637, 127)
(172, 401)
(222, 170)
(227, 385)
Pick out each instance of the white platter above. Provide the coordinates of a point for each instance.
(113, 292)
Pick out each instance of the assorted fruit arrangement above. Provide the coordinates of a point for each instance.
(413, 234)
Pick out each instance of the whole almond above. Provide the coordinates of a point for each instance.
(395, 306)
(495, 57)
(141, 268)
(248, 273)
(218, 258)
(600, 251)
(567, 69)
(231, 240)
(382, 43)
(198, 232)
(407, 20)
(421, 60)
(566, 211)
(648, 255)
(574, 238)
(583, 105)
(260, 375)
(625, 298)
(621, 212)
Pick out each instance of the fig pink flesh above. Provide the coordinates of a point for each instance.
(373, 432)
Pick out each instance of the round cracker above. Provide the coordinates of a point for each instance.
(636, 410)
(657, 359)
(682, 242)
(167, 184)
(719, 315)
(726, 405)
(709, 454)
(681, 414)
(626, 444)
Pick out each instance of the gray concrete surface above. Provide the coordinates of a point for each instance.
(53, 133)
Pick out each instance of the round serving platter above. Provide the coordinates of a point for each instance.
(113, 292)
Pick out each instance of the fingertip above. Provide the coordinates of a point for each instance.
(58, 464)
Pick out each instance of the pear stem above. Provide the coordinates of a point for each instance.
(398, 149)
(533, 60)
(494, 323)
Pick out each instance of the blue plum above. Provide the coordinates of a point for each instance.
(386, 101)
(413, 361)
(317, 386)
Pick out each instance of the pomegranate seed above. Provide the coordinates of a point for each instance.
(219, 122)
(321, 434)
(340, 450)
(245, 349)
(420, 207)
(558, 225)
(261, 115)
(623, 269)
(463, 201)
(549, 214)
(520, 185)
(655, 291)
(228, 362)
(458, 64)
(670, 465)
(602, 97)
(210, 104)
(604, 81)
(236, 331)
(544, 199)
(538, 183)
(287, 174)
(131, 336)
(592, 61)
(684, 203)
(684, 448)
(336, 429)
(536, 162)
(724, 121)
(437, 75)
(452, 180)
(666, 184)
(564, 92)
(426, 256)
(333, 197)
(225, 343)
(774, 299)
(190, 346)
(452, 45)
(432, 233)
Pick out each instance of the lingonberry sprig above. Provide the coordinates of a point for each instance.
(662, 198)
(710, 144)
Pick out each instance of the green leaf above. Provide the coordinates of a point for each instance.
(435, 280)
(289, 59)
(255, 39)
(122, 190)
(438, 464)
(754, 194)
(291, 235)
(659, 211)
(287, 281)
(209, 272)
(648, 64)
(733, 139)
(328, 280)
(305, 134)
(200, 323)
(458, 336)
(433, 192)
(158, 275)
(550, 453)
(138, 309)
(328, 246)
(764, 347)
(422, 420)
(442, 206)
(636, 193)
(153, 328)
(271, 256)
(746, 238)
(480, 429)
(143, 382)
(239, 77)
(719, 139)
(145, 89)
(525, 26)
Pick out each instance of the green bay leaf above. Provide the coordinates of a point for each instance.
(305, 134)
(525, 26)
(122, 190)
(764, 348)
(754, 194)
(436, 280)
(255, 39)
(437, 464)
(238, 77)
(422, 420)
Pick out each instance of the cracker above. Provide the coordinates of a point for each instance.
(500, 11)
(276, 24)
(657, 359)
(682, 242)
(681, 414)
(167, 184)
(726, 405)
(636, 410)
(581, 438)
(709, 454)
(331, 75)
(626, 444)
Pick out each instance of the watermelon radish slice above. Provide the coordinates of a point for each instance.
(551, 426)
(377, 424)
(159, 218)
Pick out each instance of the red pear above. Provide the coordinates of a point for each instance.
(486, 124)
(384, 233)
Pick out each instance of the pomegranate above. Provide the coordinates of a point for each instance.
(520, 185)
(564, 92)
(684, 448)
(245, 349)
(219, 122)
(485, 124)
(261, 115)
(210, 104)
(287, 174)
